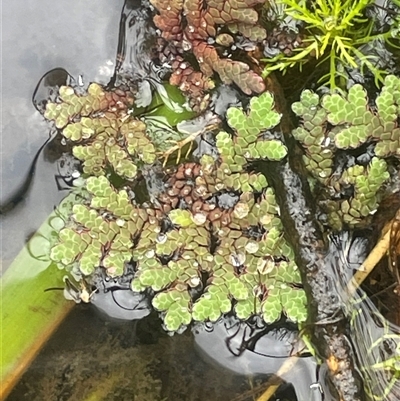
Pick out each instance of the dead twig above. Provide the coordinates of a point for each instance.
(388, 242)
(188, 140)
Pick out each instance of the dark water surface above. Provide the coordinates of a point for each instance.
(90, 359)
(38, 36)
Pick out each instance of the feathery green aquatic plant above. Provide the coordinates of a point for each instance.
(337, 32)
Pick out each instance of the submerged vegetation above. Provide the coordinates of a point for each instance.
(209, 236)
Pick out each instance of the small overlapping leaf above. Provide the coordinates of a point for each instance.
(246, 143)
(353, 122)
(271, 150)
(183, 218)
(176, 305)
(70, 245)
(212, 304)
(367, 182)
(97, 239)
(219, 247)
(111, 141)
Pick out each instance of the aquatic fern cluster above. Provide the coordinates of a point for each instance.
(208, 31)
(101, 232)
(212, 242)
(336, 122)
(111, 141)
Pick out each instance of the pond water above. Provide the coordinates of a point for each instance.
(91, 357)
(37, 37)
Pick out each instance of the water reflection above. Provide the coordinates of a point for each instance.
(247, 349)
(135, 66)
(375, 341)
(48, 86)
(37, 37)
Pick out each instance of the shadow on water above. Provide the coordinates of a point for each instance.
(46, 89)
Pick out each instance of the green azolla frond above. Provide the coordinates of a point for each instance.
(261, 116)
(176, 304)
(71, 244)
(248, 307)
(312, 134)
(271, 307)
(247, 143)
(262, 278)
(114, 141)
(225, 144)
(97, 239)
(190, 245)
(354, 122)
(308, 101)
(211, 305)
(349, 110)
(262, 113)
(367, 183)
(183, 218)
(294, 303)
(177, 316)
(388, 105)
(90, 258)
(237, 119)
(271, 150)
(99, 186)
(155, 275)
(71, 105)
(137, 142)
(125, 168)
(283, 293)
(352, 137)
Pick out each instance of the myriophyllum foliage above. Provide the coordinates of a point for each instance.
(337, 32)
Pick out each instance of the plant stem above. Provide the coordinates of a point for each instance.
(327, 321)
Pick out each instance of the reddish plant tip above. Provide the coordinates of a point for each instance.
(193, 25)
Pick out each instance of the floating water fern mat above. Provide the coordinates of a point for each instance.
(233, 179)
